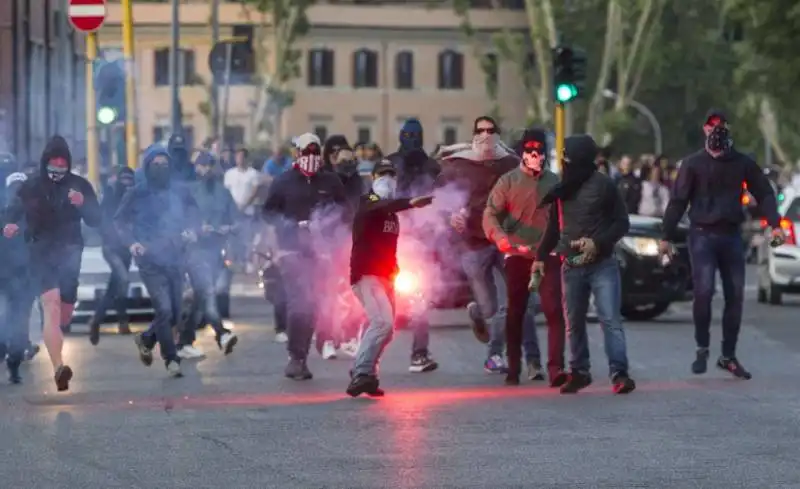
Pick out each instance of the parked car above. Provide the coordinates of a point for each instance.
(779, 267)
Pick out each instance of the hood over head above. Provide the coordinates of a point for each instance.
(411, 136)
(57, 147)
(581, 151)
(150, 154)
(334, 143)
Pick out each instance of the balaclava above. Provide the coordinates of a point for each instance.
(411, 136)
(309, 156)
(57, 147)
(719, 139)
(125, 180)
(158, 176)
(533, 140)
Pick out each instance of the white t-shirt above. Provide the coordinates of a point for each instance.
(242, 184)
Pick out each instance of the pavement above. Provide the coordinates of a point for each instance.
(235, 422)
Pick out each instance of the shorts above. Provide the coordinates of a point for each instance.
(56, 266)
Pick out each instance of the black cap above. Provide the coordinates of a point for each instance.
(383, 167)
(580, 149)
(715, 114)
(533, 137)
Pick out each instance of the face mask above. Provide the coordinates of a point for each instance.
(410, 141)
(384, 187)
(309, 164)
(484, 144)
(719, 139)
(158, 175)
(532, 162)
(56, 173)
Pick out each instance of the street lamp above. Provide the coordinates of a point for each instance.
(609, 94)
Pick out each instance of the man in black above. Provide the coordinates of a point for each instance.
(709, 182)
(373, 266)
(587, 220)
(629, 185)
(296, 198)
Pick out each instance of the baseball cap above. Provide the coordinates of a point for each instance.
(714, 117)
(383, 167)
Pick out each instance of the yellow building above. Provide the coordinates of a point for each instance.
(366, 67)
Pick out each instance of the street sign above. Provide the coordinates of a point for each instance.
(87, 15)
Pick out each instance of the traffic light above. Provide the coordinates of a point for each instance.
(109, 83)
(242, 58)
(569, 73)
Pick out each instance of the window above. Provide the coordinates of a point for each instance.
(186, 68)
(321, 131)
(364, 135)
(243, 30)
(451, 70)
(234, 136)
(404, 70)
(320, 68)
(449, 135)
(365, 69)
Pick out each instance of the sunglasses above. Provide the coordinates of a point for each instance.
(485, 130)
(311, 149)
(533, 147)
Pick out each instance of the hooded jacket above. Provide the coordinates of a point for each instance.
(416, 171)
(156, 217)
(215, 206)
(112, 197)
(45, 204)
(14, 250)
(468, 172)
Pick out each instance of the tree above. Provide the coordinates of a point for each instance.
(280, 24)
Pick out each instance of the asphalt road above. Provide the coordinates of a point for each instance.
(235, 422)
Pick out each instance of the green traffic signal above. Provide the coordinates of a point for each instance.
(106, 115)
(566, 92)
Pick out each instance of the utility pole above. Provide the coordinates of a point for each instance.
(92, 158)
(214, 84)
(174, 64)
(64, 49)
(131, 132)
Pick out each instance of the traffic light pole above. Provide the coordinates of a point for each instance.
(131, 132)
(560, 135)
(214, 85)
(92, 156)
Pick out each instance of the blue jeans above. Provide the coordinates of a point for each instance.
(485, 272)
(119, 261)
(377, 297)
(602, 280)
(165, 286)
(204, 266)
(16, 299)
(710, 252)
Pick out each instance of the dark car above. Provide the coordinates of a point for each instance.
(649, 283)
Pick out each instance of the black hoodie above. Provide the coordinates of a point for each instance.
(112, 197)
(45, 204)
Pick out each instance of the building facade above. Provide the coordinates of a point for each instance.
(42, 77)
(365, 68)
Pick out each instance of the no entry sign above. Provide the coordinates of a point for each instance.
(87, 15)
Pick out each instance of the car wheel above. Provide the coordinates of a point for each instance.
(645, 312)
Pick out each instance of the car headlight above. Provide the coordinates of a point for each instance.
(641, 246)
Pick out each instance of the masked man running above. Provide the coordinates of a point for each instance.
(53, 204)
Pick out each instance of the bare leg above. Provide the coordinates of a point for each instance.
(53, 338)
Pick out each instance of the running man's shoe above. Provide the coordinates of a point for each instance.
(700, 364)
(495, 365)
(227, 341)
(622, 383)
(479, 328)
(297, 370)
(422, 362)
(281, 337)
(190, 352)
(576, 381)
(535, 372)
(364, 384)
(145, 351)
(174, 368)
(733, 366)
(62, 377)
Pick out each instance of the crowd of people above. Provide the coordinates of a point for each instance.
(524, 237)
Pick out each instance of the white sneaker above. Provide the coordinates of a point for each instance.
(328, 351)
(191, 352)
(174, 369)
(227, 341)
(350, 348)
(281, 337)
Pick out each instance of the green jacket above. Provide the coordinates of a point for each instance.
(511, 210)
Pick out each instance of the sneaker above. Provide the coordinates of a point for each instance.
(13, 372)
(700, 364)
(535, 372)
(297, 370)
(733, 366)
(227, 341)
(350, 348)
(422, 362)
(557, 377)
(31, 352)
(190, 352)
(512, 379)
(174, 368)
(364, 384)
(576, 381)
(145, 351)
(281, 337)
(94, 331)
(62, 377)
(495, 365)
(329, 350)
(622, 383)
(479, 328)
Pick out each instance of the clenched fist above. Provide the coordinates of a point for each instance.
(10, 230)
(75, 198)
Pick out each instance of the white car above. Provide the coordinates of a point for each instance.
(779, 268)
(95, 273)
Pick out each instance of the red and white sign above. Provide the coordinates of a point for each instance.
(87, 15)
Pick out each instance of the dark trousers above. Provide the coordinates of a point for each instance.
(16, 301)
(204, 267)
(298, 274)
(164, 283)
(518, 275)
(709, 253)
(119, 261)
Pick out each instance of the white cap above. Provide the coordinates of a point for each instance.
(304, 140)
(16, 177)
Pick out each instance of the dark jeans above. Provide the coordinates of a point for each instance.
(518, 275)
(298, 276)
(16, 301)
(710, 252)
(119, 261)
(165, 286)
(601, 280)
(204, 267)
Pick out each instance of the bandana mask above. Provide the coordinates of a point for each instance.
(719, 139)
(309, 160)
(384, 187)
(56, 173)
(529, 149)
(484, 144)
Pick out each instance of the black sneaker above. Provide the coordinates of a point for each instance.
(94, 331)
(733, 366)
(557, 377)
(700, 364)
(13, 371)
(621, 383)
(62, 377)
(479, 328)
(576, 381)
(422, 362)
(364, 384)
(145, 350)
(297, 370)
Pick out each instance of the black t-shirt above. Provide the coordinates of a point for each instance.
(376, 230)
